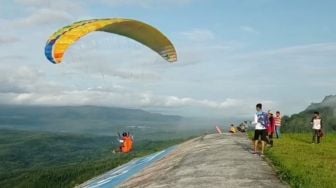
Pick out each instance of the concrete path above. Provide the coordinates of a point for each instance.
(209, 161)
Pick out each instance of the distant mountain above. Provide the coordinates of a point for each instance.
(328, 102)
(85, 119)
(301, 122)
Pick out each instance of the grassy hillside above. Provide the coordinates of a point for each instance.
(30, 159)
(301, 122)
(303, 164)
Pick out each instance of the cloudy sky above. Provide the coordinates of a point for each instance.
(232, 54)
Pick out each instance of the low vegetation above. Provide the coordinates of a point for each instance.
(303, 164)
(30, 159)
(300, 122)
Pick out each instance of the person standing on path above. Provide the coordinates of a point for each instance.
(260, 122)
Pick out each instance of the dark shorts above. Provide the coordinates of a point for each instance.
(260, 134)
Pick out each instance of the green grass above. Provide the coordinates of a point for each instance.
(37, 159)
(303, 164)
(70, 175)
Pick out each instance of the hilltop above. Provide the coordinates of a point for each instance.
(214, 160)
(328, 102)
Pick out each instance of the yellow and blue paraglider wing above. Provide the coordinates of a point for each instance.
(61, 40)
(48, 50)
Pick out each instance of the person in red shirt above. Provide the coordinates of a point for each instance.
(270, 128)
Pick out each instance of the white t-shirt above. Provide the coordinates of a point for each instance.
(258, 125)
(316, 123)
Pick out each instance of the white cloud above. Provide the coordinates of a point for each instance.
(121, 97)
(249, 29)
(199, 35)
(43, 17)
(42, 12)
(30, 86)
(22, 79)
(110, 66)
(201, 45)
(311, 53)
(59, 5)
(174, 101)
(144, 3)
(132, 75)
(4, 40)
(25, 85)
(37, 3)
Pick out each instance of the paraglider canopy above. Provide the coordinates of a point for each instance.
(147, 35)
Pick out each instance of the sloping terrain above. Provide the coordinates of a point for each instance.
(209, 161)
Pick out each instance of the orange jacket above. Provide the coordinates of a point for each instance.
(127, 145)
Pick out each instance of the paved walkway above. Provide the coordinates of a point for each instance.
(209, 161)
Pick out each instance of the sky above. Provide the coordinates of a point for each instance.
(232, 54)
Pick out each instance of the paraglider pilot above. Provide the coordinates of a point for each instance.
(126, 143)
